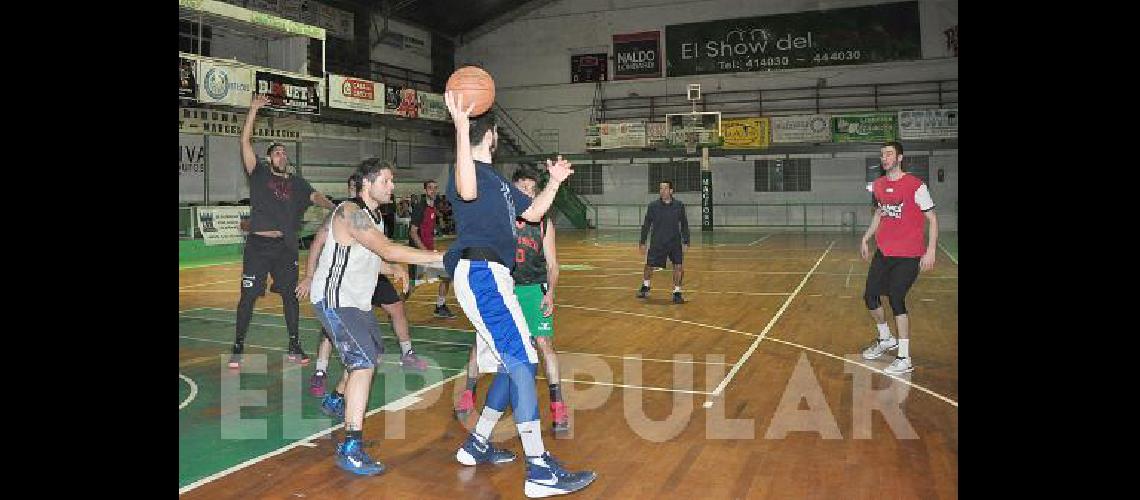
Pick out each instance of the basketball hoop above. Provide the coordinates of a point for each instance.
(691, 139)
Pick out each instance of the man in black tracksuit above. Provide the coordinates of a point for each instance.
(670, 230)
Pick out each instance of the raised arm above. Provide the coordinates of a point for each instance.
(559, 171)
(465, 184)
(248, 157)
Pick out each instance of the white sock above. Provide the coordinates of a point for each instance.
(405, 346)
(884, 331)
(645, 283)
(531, 435)
(322, 365)
(439, 301)
(904, 348)
(676, 289)
(486, 424)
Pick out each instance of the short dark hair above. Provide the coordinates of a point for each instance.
(371, 167)
(480, 125)
(429, 181)
(524, 173)
(670, 183)
(894, 144)
(354, 182)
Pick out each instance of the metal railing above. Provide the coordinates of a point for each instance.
(851, 216)
(791, 100)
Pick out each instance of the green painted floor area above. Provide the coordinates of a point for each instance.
(274, 406)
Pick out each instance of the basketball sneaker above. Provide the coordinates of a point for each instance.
(333, 406)
(235, 358)
(899, 366)
(546, 477)
(880, 347)
(317, 383)
(350, 456)
(297, 355)
(643, 293)
(475, 451)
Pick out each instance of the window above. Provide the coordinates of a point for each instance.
(685, 175)
(189, 41)
(587, 179)
(783, 175)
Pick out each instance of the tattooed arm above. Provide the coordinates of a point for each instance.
(353, 223)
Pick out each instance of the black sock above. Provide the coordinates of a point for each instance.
(471, 383)
(337, 394)
(357, 435)
(555, 393)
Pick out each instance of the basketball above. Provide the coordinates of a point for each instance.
(476, 86)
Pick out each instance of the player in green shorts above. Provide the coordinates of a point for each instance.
(535, 275)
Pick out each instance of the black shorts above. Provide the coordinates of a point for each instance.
(891, 275)
(656, 255)
(269, 256)
(385, 293)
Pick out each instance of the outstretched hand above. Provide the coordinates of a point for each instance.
(560, 169)
(460, 115)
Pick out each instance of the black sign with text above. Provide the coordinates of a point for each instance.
(856, 35)
(293, 95)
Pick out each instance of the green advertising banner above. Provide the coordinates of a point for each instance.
(857, 35)
(865, 127)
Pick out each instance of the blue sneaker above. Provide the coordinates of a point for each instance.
(546, 477)
(350, 456)
(333, 406)
(475, 451)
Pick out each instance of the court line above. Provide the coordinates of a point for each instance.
(847, 284)
(203, 318)
(686, 291)
(656, 360)
(204, 284)
(747, 354)
(304, 441)
(761, 239)
(212, 341)
(193, 391)
(947, 252)
(199, 266)
(714, 327)
(627, 386)
(868, 367)
(730, 330)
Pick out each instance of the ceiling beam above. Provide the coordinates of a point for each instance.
(501, 20)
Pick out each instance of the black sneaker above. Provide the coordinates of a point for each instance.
(235, 358)
(643, 293)
(677, 298)
(297, 355)
(443, 312)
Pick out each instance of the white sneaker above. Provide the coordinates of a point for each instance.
(880, 347)
(899, 366)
